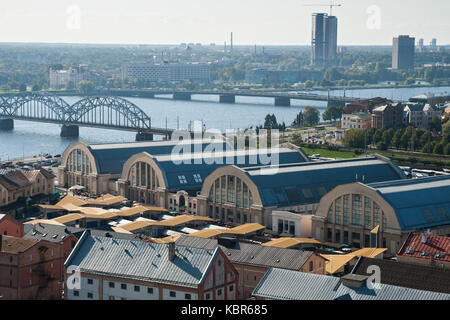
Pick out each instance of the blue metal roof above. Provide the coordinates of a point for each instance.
(307, 183)
(111, 158)
(418, 203)
(190, 175)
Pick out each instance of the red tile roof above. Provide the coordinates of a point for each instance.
(435, 245)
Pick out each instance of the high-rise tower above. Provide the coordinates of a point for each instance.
(324, 39)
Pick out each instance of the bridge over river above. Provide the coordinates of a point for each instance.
(99, 112)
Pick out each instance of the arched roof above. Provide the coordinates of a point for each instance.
(194, 168)
(297, 184)
(86, 149)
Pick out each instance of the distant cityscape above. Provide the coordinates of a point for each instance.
(339, 190)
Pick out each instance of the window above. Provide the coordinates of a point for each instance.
(123, 286)
(311, 266)
(112, 298)
(187, 296)
(150, 290)
(137, 288)
(356, 210)
(76, 293)
(90, 281)
(231, 288)
(173, 294)
(219, 292)
(90, 295)
(111, 285)
(198, 178)
(208, 296)
(182, 179)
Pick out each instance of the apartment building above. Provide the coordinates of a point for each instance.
(30, 269)
(118, 269)
(15, 184)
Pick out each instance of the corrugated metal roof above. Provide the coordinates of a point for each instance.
(308, 182)
(282, 284)
(255, 254)
(408, 275)
(197, 166)
(418, 203)
(141, 260)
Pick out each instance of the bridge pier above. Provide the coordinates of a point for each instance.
(144, 136)
(70, 131)
(227, 98)
(336, 103)
(182, 96)
(282, 102)
(6, 124)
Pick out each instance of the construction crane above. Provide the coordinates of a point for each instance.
(331, 5)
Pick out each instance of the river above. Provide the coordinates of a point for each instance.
(33, 138)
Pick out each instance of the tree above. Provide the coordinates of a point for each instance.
(299, 121)
(22, 87)
(36, 87)
(309, 84)
(85, 87)
(406, 138)
(447, 149)
(397, 138)
(436, 124)
(311, 116)
(428, 147)
(388, 135)
(446, 128)
(355, 139)
(439, 148)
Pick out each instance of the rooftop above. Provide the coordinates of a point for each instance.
(407, 275)
(418, 203)
(307, 183)
(425, 247)
(14, 245)
(280, 284)
(258, 255)
(141, 260)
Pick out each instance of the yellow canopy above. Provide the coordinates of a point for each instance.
(336, 262)
(289, 242)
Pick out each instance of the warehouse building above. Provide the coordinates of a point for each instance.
(233, 194)
(350, 212)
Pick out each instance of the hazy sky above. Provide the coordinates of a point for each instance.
(281, 22)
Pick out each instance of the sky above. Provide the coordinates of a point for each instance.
(261, 22)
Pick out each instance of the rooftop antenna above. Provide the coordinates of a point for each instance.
(331, 5)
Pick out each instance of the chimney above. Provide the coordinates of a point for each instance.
(354, 280)
(171, 251)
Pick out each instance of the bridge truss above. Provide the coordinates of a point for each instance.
(107, 112)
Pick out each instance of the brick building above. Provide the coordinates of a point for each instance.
(10, 227)
(388, 116)
(253, 260)
(29, 269)
(365, 106)
(426, 249)
(17, 184)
